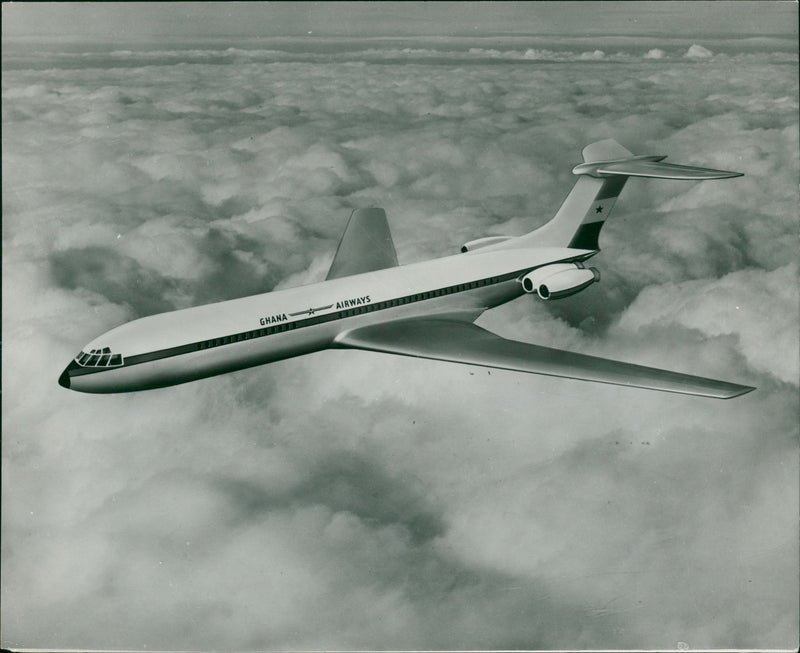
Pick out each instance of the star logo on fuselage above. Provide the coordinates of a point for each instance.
(311, 311)
(599, 209)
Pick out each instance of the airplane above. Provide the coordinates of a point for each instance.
(425, 310)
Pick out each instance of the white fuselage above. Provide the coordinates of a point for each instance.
(193, 343)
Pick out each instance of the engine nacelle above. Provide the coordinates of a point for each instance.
(472, 245)
(559, 280)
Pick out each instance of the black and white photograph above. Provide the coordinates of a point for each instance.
(412, 326)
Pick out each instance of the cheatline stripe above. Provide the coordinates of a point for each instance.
(299, 324)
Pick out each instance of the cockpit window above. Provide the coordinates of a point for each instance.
(99, 358)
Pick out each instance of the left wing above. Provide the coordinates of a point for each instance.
(463, 342)
(366, 245)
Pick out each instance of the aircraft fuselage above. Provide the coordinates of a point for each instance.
(190, 344)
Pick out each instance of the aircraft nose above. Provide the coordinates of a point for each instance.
(64, 379)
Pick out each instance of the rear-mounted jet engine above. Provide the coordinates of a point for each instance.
(559, 280)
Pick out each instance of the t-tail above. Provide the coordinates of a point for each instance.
(602, 175)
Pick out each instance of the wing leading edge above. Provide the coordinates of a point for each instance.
(462, 342)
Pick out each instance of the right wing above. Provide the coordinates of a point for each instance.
(463, 342)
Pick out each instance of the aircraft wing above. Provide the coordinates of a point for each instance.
(463, 342)
(366, 245)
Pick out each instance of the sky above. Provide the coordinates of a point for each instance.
(116, 21)
(154, 159)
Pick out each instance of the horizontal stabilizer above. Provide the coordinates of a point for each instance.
(661, 170)
(461, 342)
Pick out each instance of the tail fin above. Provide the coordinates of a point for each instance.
(606, 167)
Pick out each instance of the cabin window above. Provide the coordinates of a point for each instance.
(100, 358)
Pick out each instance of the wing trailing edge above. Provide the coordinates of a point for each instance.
(462, 342)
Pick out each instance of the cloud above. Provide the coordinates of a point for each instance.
(403, 503)
(713, 308)
(698, 52)
(596, 54)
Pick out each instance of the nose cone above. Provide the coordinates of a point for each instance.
(64, 379)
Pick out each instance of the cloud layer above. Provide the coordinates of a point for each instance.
(354, 500)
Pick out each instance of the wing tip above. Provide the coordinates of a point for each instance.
(738, 391)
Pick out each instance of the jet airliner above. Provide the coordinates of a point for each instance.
(425, 310)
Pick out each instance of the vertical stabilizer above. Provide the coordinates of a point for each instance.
(578, 222)
(605, 169)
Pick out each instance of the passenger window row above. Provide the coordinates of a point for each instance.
(349, 312)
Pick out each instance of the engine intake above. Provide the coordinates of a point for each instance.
(559, 280)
